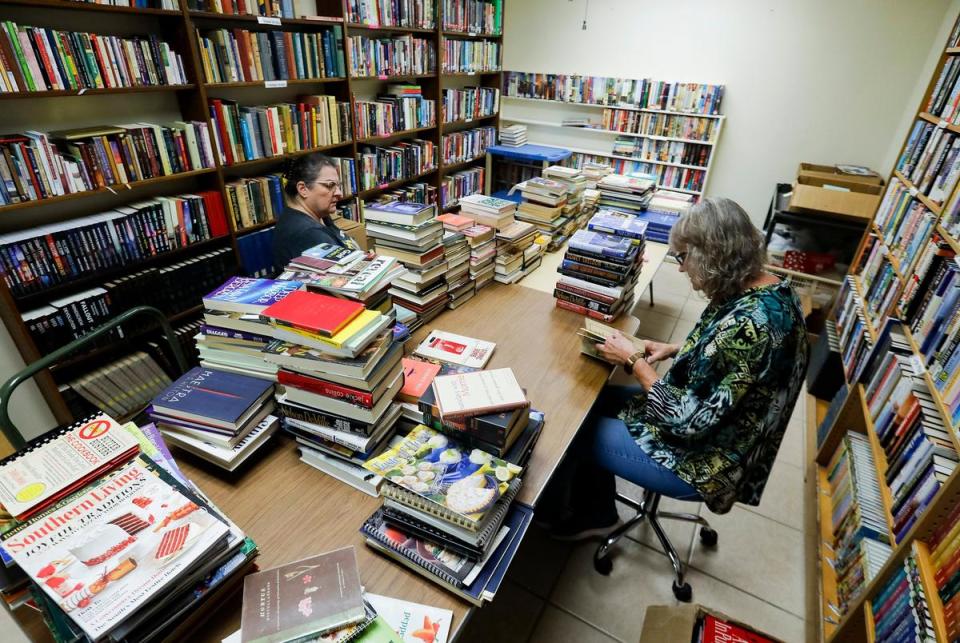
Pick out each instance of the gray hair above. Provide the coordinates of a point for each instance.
(724, 251)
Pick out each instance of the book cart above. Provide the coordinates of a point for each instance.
(190, 101)
(894, 258)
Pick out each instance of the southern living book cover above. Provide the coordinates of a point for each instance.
(106, 553)
(307, 597)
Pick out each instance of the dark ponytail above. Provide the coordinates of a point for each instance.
(304, 168)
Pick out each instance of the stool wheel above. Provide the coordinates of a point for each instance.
(708, 537)
(603, 565)
(683, 592)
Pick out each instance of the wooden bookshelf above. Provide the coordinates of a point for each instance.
(857, 624)
(178, 27)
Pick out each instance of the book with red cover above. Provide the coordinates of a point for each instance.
(323, 387)
(320, 314)
(717, 631)
(417, 378)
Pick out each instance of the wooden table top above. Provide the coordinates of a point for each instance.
(293, 511)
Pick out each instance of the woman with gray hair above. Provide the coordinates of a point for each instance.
(710, 428)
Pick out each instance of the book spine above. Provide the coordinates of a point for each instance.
(327, 389)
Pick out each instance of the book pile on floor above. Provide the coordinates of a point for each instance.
(114, 543)
(860, 536)
(488, 210)
(517, 253)
(483, 251)
(339, 372)
(448, 511)
(410, 234)
(460, 285)
(543, 204)
(218, 416)
(513, 135)
(233, 334)
(360, 276)
(627, 194)
(599, 270)
(594, 172)
(576, 183)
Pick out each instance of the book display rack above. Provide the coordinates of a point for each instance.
(893, 526)
(213, 101)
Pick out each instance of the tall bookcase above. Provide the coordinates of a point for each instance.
(888, 256)
(162, 104)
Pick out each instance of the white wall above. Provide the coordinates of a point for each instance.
(824, 81)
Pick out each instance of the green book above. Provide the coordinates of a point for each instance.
(11, 29)
(378, 632)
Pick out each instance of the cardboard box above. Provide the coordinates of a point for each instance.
(355, 230)
(832, 174)
(670, 623)
(858, 202)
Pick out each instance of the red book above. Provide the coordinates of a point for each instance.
(417, 378)
(323, 387)
(717, 631)
(321, 314)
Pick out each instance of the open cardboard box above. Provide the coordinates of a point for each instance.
(853, 201)
(676, 623)
(832, 174)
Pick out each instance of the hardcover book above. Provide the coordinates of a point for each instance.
(455, 349)
(617, 224)
(479, 393)
(601, 244)
(309, 597)
(247, 295)
(321, 314)
(489, 203)
(220, 398)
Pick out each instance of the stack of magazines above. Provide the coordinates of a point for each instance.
(114, 542)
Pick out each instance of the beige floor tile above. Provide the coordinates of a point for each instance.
(655, 326)
(556, 626)
(681, 534)
(736, 604)
(760, 556)
(681, 330)
(692, 309)
(666, 303)
(792, 446)
(640, 577)
(539, 562)
(783, 496)
(510, 617)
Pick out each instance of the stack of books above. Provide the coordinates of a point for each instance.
(576, 183)
(488, 210)
(944, 545)
(517, 253)
(233, 334)
(625, 193)
(901, 610)
(594, 172)
(860, 534)
(663, 211)
(599, 271)
(543, 205)
(483, 254)
(221, 417)
(138, 551)
(339, 372)
(460, 286)
(513, 135)
(349, 274)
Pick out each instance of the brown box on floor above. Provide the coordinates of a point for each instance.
(853, 201)
(678, 623)
(833, 175)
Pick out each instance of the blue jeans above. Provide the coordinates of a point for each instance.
(585, 483)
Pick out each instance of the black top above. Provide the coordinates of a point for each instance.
(296, 231)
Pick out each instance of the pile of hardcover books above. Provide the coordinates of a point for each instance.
(544, 201)
(218, 416)
(518, 254)
(114, 543)
(628, 194)
(483, 254)
(594, 172)
(576, 183)
(513, 135)
(460, 286)
(233, 335)
(599, 271)
(488, 210)
(663, 211)
(449, 511)
(339, 371)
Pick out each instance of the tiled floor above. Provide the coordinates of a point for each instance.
(756, 573)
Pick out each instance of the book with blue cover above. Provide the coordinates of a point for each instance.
(603, 245)
(213, 397)
(248, 295)
(618, 224)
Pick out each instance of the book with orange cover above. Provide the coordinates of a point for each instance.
(418, 375)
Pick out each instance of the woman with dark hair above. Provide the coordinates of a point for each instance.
(312, 188)
(710, 428)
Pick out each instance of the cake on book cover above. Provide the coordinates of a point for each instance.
(215, 396)
(459, 485)
(455, 349)
(248, 295)
(478, 393)
(309, 597)
(321, 314)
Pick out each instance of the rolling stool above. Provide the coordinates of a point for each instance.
(648, 509)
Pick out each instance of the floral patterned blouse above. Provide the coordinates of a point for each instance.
(717, 417)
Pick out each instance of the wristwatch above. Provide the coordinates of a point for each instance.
(631, 361)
